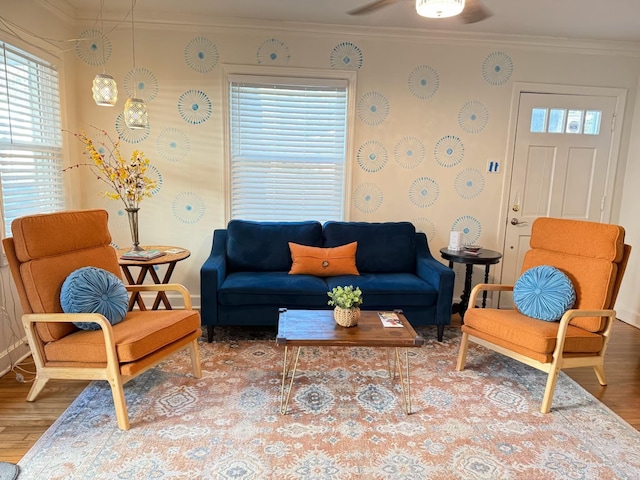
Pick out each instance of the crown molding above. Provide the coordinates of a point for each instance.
(189, 22)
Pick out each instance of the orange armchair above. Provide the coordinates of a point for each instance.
(43, 251)
(594, 257)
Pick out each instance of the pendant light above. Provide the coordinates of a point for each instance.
(439, 8)
(135, 111)
(104, 89)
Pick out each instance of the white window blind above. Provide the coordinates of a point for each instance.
(287, 148)
(30, 137)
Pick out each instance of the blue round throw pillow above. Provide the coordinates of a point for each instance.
(544, 293)
(94, 290)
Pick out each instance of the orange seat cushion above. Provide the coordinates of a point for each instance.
(528, 336)
(323, 262)
(138, 335)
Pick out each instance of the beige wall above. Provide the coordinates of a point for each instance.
(389, 57)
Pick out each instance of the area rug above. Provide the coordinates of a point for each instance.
(346, 420)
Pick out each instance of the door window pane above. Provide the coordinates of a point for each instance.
(556, 120)
(592, 121)
(538, 120)
(574, 121)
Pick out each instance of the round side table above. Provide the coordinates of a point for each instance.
(147, 266)
(482, 257)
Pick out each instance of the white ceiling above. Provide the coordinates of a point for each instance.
(617, 20)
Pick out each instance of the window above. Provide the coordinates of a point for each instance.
(575, 120)
(30, 137)
(288, 148)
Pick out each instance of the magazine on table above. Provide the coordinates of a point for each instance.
(390, 319)
(141, 255)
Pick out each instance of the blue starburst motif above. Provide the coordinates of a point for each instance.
(154, 174)
(188, 207)
(425, 226)
(346, 56)
(194, 107)
(449, 151)
(469, 183)
(409, 152)
(173, 144)
(273, 52)
(141, 83)
(424, 82)
(93, 47)
(201, 54)
(497, 68)
(473, 117)
(372, 156)
(373, 108)
(367, 197)
(127, 134)
(424, 192)
(470, 228)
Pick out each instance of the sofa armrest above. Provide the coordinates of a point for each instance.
(437, 275)
(212, 274)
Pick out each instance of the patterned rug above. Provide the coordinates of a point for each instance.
(346, 420)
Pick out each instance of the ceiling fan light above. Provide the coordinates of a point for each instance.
(135, 114)
(105, 90)
(439, 8)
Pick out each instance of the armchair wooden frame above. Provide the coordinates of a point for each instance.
(560, 361)
(111, 371)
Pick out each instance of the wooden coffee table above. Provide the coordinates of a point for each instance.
(317, 328)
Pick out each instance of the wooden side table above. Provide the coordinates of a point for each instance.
(147, 266)
(483, 257)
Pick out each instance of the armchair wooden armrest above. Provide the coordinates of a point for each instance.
(488, 287)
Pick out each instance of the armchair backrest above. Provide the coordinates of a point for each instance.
(46, 248)
(593, 255)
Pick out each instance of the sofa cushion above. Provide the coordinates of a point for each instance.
(382, 247)
(264, 246)
(323, 262)
(389, 290)
(273, 288)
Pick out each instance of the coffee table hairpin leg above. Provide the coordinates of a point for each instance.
(397, 367)
(286, 367)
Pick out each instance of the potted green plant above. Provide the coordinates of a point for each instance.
(346, 302)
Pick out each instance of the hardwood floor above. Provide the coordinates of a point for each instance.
(22, 422)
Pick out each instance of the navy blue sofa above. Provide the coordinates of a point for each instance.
(245, 280)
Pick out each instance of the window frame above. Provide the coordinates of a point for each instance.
(229, 71)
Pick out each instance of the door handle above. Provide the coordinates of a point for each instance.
(515, 221)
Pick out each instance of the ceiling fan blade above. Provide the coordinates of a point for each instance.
(371, 7)
(474, 12)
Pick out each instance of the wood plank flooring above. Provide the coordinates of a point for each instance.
(22, 422)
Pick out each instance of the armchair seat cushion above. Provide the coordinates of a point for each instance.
(528, 336)
(138, 335)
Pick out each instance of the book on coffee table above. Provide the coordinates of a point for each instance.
(141, 255)
(390, 319)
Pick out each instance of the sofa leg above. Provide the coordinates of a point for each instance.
(209, 333)
(440, 332)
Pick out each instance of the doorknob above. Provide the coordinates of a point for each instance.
(515, 221)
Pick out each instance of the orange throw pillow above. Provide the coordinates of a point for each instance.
(323, 262)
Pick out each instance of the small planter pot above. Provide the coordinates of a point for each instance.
(346, 317)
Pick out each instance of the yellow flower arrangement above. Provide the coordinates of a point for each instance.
(127, 178)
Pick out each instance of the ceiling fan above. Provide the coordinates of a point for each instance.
(473, 10)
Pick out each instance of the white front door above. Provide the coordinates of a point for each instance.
(561, 167)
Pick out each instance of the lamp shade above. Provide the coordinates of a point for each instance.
(105, 90)
(439, 8)
(135, 113)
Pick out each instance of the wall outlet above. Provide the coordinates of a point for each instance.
(493, 166)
